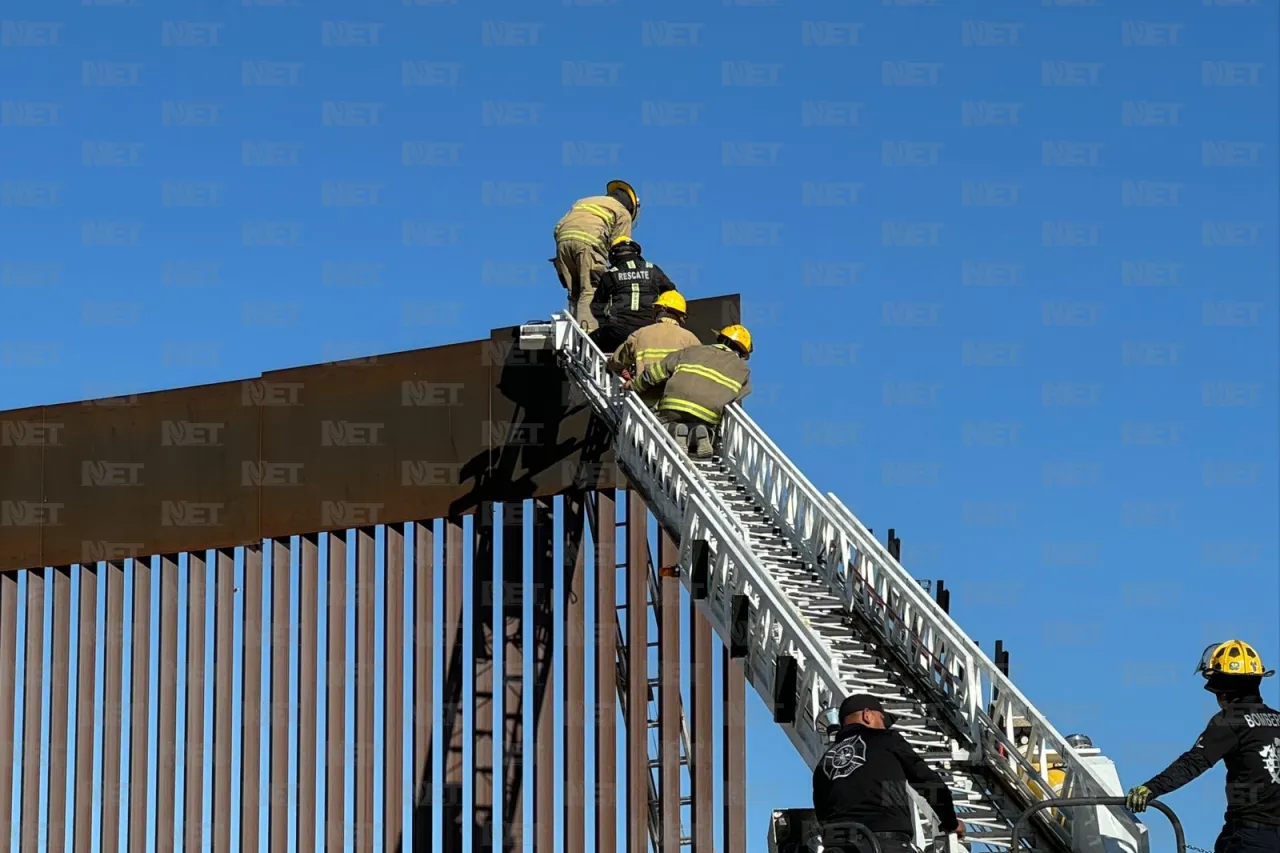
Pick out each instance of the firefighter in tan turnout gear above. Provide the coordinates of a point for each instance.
(650, 344)
(697, 383)
(583, 237)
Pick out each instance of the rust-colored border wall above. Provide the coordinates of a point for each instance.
(387, 439)
(544, 708)
(637, 674)
(606, 704)
(734, 686)
(451, 736)
(482, 657)
(669, 692)
(575, 652)
(513, 722)
(113, 507)
(246, 595)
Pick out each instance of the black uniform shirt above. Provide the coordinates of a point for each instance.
(1246, 738)
(629, 290)
(862, 777)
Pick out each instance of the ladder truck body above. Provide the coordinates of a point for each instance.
(816, 608)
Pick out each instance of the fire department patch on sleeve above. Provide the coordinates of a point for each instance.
(1271, 760)
(844, 758)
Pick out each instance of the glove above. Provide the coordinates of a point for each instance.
(1136, 799)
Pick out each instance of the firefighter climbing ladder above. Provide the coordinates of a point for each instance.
(828, 611)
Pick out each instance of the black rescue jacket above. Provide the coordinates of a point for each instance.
(626, 292)
(1246, 738)
(862, 777)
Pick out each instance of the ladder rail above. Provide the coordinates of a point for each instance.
(685, 504)
(1005, 702)
(585, 362)
(822, 529)
(624, 664)
(770, 474)
(623, 670)
(858, 571)
(990, 816)
(655, 601)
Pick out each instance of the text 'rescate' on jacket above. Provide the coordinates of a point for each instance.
(626, 292)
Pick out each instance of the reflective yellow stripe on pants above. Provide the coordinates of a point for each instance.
(688, 407)
(572, 234)
(574, 262)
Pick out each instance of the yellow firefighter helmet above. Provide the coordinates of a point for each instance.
(614, 186)
(736, 336)
(1233, 657)
(672, 301)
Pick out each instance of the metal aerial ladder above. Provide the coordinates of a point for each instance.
(826, 610)
(653, 706)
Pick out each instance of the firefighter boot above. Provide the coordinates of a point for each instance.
(680, 432)
(702, 442)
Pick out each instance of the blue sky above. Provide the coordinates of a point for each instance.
(1011, 268)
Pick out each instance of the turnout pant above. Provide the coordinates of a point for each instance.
(670, 419)
(1248, 837)
(609, 337)
(578, 265)
(851, 842)
(682, 418)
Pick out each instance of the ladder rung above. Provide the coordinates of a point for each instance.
(834, 629)
(655, 763)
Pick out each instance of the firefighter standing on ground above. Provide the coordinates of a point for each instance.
(863, 777)
(697, 383)
(651, 344)
(1245, 736)
(583, 237)
(625, 295)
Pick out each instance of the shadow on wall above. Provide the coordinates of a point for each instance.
(531, 454)
(531, 457)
